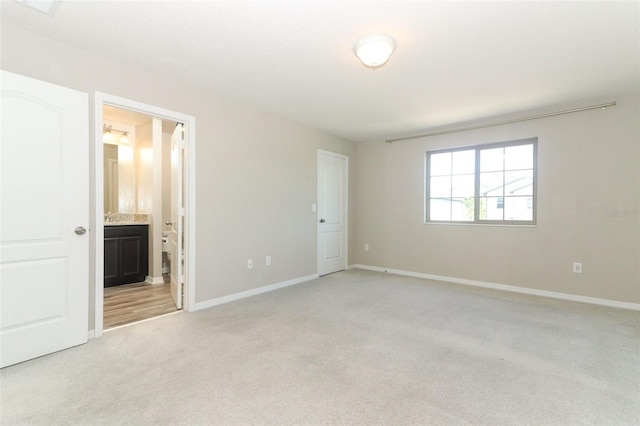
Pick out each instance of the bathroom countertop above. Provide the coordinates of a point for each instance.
(124, 223)
(124, 219)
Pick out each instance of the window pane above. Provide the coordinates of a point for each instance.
(440, 209)
(440, 164)
(463, 186)
(464, 162)
(518, 183)
(440, 187)
(518, 157)
(491, 160)
(518, 208)
(492, 208)
(491, 184)
(497, 179)
(462, 209)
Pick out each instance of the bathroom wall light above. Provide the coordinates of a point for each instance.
(374, 50)
(107, 135)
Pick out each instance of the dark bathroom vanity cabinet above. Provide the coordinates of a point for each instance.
(126, 254)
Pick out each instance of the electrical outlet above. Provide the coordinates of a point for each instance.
(268, 261)
(577, 267)
(250, 264)
(366, 247)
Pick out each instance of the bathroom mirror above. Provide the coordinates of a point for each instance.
(119, 179)
(128, 147)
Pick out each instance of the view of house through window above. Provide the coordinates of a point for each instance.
(483, 184)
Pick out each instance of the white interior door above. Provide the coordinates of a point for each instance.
(177, 215)
(44, 214)
(332, 212)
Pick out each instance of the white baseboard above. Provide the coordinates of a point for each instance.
(154, 280)
(244, 294)
(511, 288)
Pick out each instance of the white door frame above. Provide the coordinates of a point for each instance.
(345, 212)
(102, 99)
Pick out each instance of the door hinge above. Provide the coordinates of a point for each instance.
(181, 211)
(181, 134)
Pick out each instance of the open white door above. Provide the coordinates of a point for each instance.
(332, 212)
(177, 215)
(44, 217)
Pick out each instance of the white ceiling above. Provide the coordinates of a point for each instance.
(454, 62)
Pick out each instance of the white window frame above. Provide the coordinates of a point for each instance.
(477, 196)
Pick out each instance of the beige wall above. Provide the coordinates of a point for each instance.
(148, 193)
(256, 181)
(144, 168)
(256, 173)
(588, 167)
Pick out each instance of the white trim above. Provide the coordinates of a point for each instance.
(511, 288)
(100, 100)
(244, 294)
(346, 207)
(154, 280)
(98, 220)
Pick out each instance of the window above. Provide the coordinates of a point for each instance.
(493, 184)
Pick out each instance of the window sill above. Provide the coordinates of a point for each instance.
(502, 225)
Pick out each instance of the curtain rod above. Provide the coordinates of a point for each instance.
(501, 123)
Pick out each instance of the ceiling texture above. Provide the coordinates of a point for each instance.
(455, 62)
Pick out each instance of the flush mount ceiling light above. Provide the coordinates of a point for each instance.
(374, 50)
(45, 6)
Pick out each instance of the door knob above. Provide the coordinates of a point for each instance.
(321, 220)
(80, 230)
(168, 223)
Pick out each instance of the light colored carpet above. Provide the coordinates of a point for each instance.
(356, 347)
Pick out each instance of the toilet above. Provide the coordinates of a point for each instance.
(166, 253)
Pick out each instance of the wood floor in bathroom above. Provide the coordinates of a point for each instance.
(129, 303)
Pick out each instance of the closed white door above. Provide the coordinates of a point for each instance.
(332, 212)
(177, 216)
(44, 218)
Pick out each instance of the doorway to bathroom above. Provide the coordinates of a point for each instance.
(144, 208)
(138, 198)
